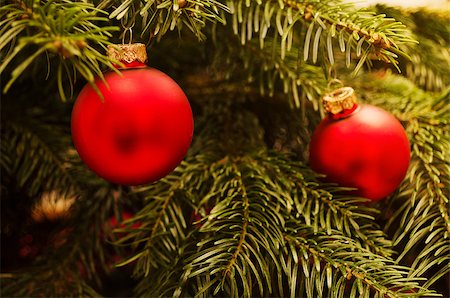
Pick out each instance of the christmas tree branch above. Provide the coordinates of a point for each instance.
(169, 280)
(345, 265)
(158, 17)
(163, 229)
(421, 221)
(52, 283)
(235, 242)
(337, 212)
(32, 164)
(326, 21)
(189, 182)
(243, 191)
(302, 82)
(429, 202)
(427, 57)
(65, 29)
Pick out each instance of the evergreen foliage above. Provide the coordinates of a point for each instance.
(243, 215)
(431, 29)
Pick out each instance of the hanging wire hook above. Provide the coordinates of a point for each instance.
(336, 82)
(125, 33)
(127, 28)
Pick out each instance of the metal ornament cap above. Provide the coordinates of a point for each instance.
(339, 100)
(128, 53)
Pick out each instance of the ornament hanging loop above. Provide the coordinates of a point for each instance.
(129, 29)
(335, 84)
(125, 34)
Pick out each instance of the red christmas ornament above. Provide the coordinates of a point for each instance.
(363, 146)
(141, 129)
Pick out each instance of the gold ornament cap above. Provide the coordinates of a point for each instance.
(339, 100)
(128, 53)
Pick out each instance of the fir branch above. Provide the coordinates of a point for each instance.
(156, 18)
(52, 283)
(421, 222)
(320, 206)
(245, 249)
(245, 216)
(165, 281)
(425, 216)
(358, 31)
(346, 268)
(425, 67)
(32, 164)
(162, 230)
(163, 227)
(300, 81)
(236, 234)
(185, 185)
(63, 28)
(432, 52)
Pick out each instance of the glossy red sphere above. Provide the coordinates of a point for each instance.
(139, 132)
(367, 150)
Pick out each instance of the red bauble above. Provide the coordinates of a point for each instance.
(363, 147)
(139, 132)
